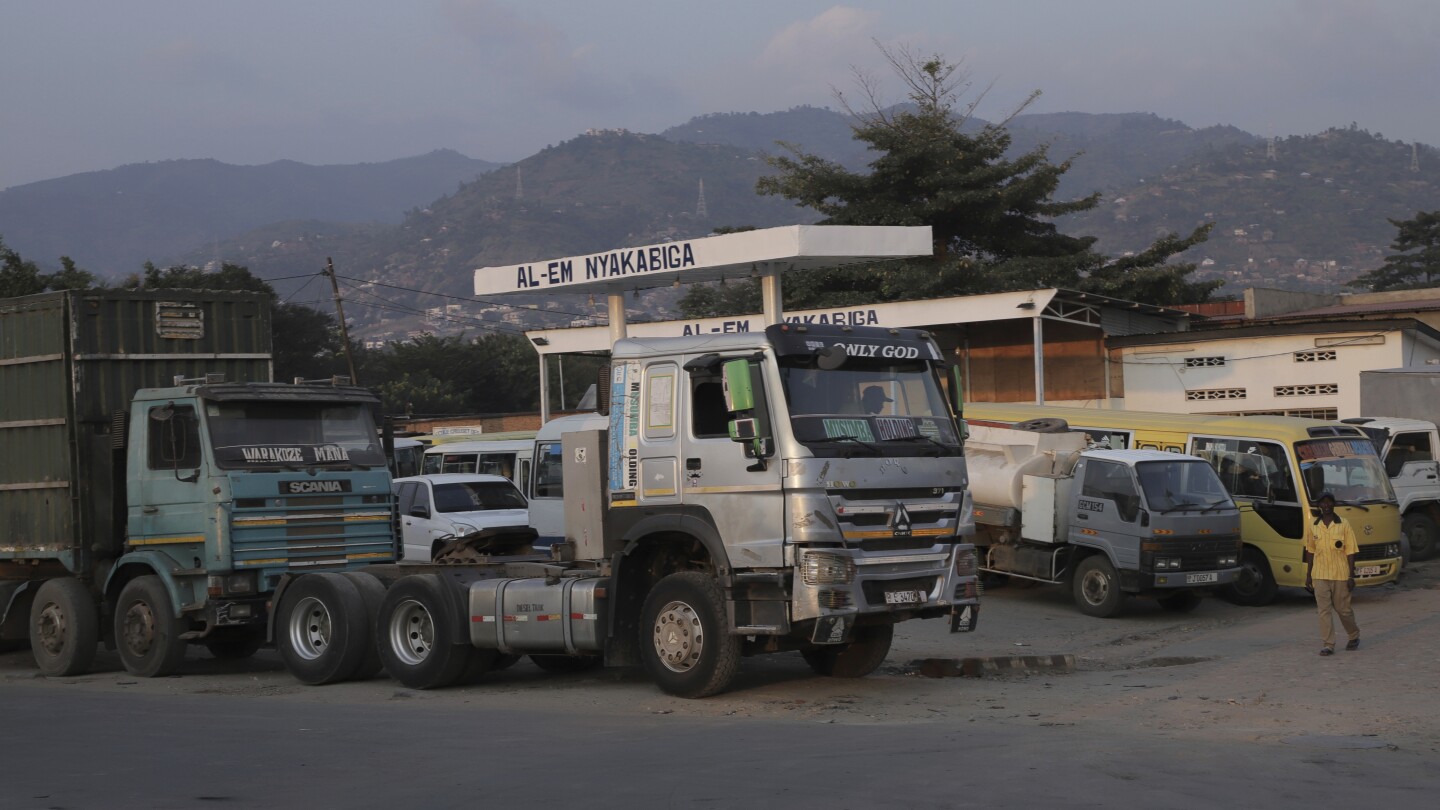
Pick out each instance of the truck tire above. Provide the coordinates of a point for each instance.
(1255, 586)
(1044, 425)
(479, 664)
(320, 629)
(1096, 588)
(147, 631)
(1422, 531)
(861, 656)
(414, 630)
(685, 642)
(1180, 602)
(64, 628)
(234, 646)
(372, 593)
(562, 664)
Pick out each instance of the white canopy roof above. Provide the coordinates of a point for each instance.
(711, 258)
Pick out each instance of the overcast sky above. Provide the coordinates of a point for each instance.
(94, 84)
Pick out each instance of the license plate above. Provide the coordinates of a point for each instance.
(904, 597)
(1368, 571)
(1196, 579)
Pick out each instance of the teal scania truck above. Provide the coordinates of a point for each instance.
(157, 490)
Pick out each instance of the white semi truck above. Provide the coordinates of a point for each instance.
(1106, 523)
(802, 489)
(1408, 448)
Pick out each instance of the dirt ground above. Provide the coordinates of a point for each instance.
(1220, 673)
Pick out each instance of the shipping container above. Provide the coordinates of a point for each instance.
(69, 364)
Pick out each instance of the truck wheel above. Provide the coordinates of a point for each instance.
(860, 657)
(234, 647)
(64, 628)
(1182, 602)
(684, 638)
(320, 629)
(1097, 588)
(414, 630)
(147, 632)
(561, 664)
(372, 593)
(1255, 586)
(1421, 530)
(479, 663)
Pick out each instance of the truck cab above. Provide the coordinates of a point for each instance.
(814, 460)
(1107, 523)
(1408, 448)
(230, 488)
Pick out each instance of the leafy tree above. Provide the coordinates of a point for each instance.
(991, 215)
(21, 277)
(1416, 260)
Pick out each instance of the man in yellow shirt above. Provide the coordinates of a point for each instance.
(1330, 551)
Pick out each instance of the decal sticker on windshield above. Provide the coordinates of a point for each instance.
(853, 428)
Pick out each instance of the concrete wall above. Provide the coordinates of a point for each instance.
(1157, 378)
(1263, 303)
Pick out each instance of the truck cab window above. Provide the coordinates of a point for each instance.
(174, 441)
(708, 419)
(1112, 482)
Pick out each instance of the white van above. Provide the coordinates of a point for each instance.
(547, 490)
(508, 458)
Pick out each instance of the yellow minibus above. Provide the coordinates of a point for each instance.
(1273, 466)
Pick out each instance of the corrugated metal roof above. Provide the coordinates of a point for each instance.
(1385, 308)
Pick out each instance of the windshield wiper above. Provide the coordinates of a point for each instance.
(919, 438)
(1357, 504)
(1215, 505)
(1177, 507)
(868, 446)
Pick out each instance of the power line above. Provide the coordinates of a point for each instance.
(471, 299)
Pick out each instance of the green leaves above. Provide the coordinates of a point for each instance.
(1416, 261)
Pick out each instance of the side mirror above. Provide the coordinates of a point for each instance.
(737, 384)
(957, 395)
(420, 511)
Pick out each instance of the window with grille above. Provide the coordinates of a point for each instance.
(1203, 362)
(1201, 394)
(1306, 390)
(1315, 356)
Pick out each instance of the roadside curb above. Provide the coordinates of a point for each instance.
(993, 665)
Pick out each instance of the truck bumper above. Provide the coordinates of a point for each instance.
(843, 588)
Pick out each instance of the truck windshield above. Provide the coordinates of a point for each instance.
(1172, 486)
(1347, 468)
(270, 434)
(894, 407)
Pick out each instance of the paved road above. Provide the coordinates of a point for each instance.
(1224, 705)
(85, 749)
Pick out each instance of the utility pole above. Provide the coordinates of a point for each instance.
(340, 313)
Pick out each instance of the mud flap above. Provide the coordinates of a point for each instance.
(832, 629)
(964, 618)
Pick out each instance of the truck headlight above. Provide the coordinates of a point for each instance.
(1167, 563)
(821, 568)
(230, 584)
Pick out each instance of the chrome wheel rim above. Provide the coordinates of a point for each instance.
(679, 637)
(412, 632)
(311, 628)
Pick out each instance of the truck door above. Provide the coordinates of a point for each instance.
(1410, 463)
(1107, 512)
(744, 501)
(173, 508)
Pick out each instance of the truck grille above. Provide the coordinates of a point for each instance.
(311, 531)
(1376, 551)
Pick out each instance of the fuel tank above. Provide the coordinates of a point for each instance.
(525, 616)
